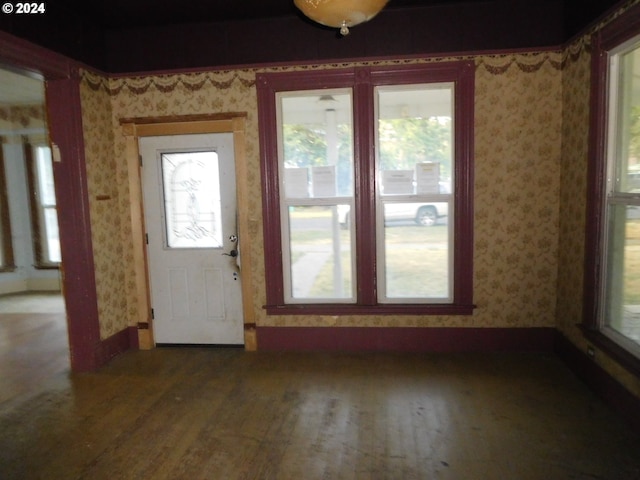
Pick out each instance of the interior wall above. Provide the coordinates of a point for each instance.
(106, 189)
(531, 141)
(517, 167)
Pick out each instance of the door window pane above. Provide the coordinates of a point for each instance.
(191, 187)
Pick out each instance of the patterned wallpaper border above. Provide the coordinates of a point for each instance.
(496, 64)
(165, 83)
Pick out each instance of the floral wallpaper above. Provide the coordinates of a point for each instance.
(517, 169)
(105, 101)
(531, 140)
(517, 165)
(104, 185)
(531, 149)
(575, 134)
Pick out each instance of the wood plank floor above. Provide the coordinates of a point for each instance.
(201, 413)
(34, 345)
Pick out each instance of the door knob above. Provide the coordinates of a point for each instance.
(232, 253)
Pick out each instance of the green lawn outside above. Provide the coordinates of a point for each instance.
(417, 256)
(407, 265)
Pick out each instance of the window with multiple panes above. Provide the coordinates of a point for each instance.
(367, 179)
(613, 251)
(44, 214)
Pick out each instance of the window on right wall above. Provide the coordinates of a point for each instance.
(612, 295)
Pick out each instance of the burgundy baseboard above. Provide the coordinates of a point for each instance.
(120, 342)
(405, 339)
(93, 355)
(597, 379)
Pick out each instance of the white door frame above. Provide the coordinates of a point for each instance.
(133, 129)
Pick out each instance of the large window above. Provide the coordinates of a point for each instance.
(44, 214)
(367, 175)
(613, 304)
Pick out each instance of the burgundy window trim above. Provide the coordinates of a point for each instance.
(363, 80)
(8, 265)
(613, 34)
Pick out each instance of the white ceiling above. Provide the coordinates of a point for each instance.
(18, 89)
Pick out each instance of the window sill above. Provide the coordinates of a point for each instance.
(386, 309)
(627, 360)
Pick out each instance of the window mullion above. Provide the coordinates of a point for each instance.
(365, 176)
(464, 181)
(271, 198)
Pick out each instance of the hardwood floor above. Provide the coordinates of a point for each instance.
(226, 414)
(33, 342)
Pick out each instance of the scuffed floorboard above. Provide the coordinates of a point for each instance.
(198, 413)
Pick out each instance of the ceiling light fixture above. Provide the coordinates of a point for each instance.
(342, 14)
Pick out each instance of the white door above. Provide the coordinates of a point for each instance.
(190, 215)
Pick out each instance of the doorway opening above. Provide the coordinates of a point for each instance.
(33, 319)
